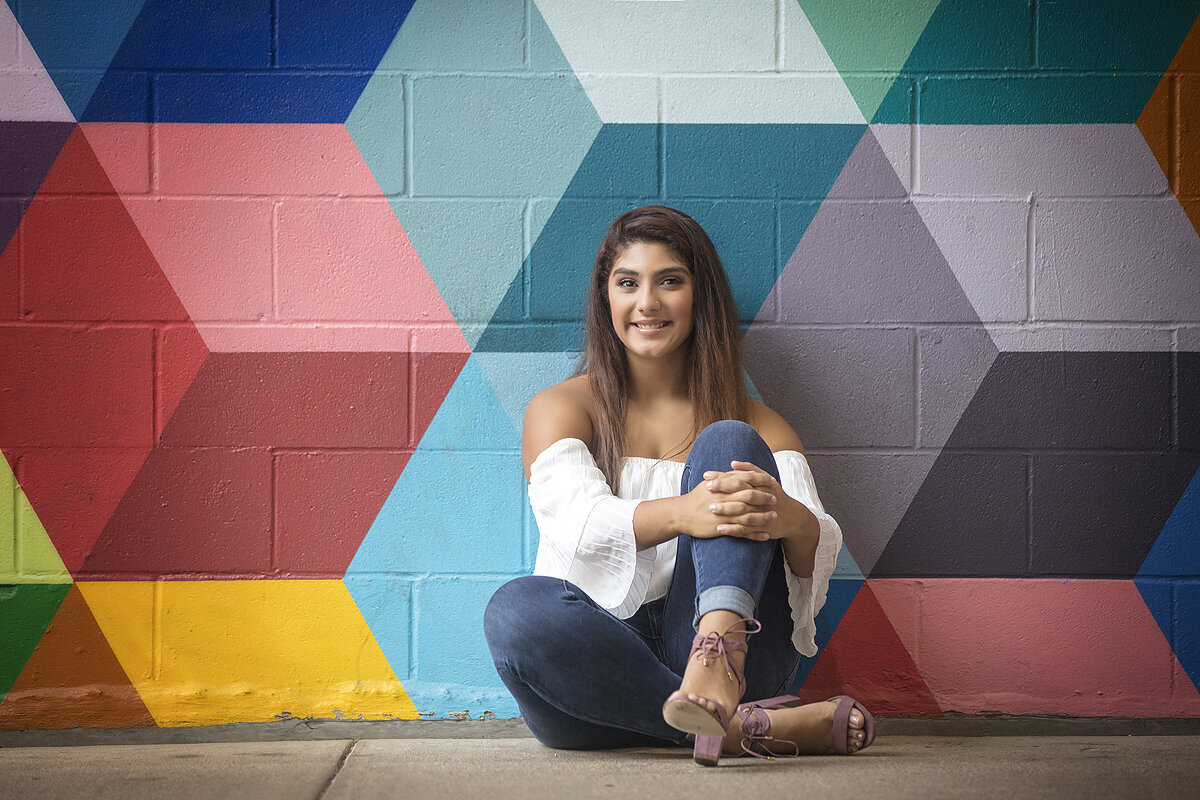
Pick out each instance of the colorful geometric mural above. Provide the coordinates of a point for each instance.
(277, 280)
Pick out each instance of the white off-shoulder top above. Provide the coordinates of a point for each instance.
(586, 532)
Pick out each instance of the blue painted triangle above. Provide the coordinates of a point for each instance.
(1176, 551)
(76, 41)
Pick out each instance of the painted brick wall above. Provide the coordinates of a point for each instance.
(277, 279)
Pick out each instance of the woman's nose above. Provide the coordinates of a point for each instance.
(647, 301)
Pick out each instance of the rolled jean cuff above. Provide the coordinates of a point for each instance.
(724, 598)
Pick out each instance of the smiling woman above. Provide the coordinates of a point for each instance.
(677, 516)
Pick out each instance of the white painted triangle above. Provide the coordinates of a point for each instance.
(713, 62)
(28, 90)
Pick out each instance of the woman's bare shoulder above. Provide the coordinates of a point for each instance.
(561, 411)
(773, 428)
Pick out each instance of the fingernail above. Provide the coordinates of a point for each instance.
(711, 485)
(774, 499)
(713, 508)
(774, 515)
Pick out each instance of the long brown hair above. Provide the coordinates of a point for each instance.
(714, 377)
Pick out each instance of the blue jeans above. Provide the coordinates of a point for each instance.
(584, 679)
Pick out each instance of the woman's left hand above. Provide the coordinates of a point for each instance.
(792, 517)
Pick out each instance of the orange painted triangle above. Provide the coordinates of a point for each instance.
(1157, 120)
(73, 679)
(866, 660)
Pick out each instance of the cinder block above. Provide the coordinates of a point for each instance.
(953, 363)
(215, 252)
(75, 387)
(850, 387)
(86, 260)
(478, 36)
(324, 504)
(474, 136)
(181, 352)
(986, 245)
(449, 630)
(1081, 648)
(75, 491)
(190, 510)
(1100, 514)
(295, 400)
(262, 159)
(350, 260)
(1044, 160)
(891, 481)
(386, 604)
(1098, 401)
(124, 150)
(980, 532)
(377, 125)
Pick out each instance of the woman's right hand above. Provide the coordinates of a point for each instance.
(747, 510)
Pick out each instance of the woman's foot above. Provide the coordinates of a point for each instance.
(707, 684)
(809, 726)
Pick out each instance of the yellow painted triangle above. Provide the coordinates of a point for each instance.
(26, 553)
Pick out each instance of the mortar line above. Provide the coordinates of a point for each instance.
(1030, 255)
(914, 142)
(273, 511)
(337, 768)
(781, 260)
(525, 28)
(412, 630)
(661, 136)
(406, 93)
(21, 310)
(779, 34)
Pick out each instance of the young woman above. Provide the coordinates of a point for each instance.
(677, 517)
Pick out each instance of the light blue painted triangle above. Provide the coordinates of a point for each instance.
(846, 567)
(474, 136)
(455, 511)
(517, 377)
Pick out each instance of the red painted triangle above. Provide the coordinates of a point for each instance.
(73, 679)
(866, 660)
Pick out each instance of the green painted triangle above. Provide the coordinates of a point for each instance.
(868, 41)
(25, 611)
(26, 553)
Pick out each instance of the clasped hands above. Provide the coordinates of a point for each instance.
(746, 502)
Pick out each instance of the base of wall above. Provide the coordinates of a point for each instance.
(311, 730)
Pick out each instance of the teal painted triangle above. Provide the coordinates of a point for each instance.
(870, 38)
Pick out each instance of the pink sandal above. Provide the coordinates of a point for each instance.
(755, 724)
(689, 716)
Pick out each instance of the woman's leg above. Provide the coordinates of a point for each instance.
(718, 581)
(582, 678)
(704, 567)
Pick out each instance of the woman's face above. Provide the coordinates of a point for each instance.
(650, 284)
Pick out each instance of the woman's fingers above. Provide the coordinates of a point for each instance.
(735, 507)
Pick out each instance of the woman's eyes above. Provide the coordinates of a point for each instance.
(624, 282)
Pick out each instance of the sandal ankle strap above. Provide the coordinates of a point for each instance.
(715, 645)
(754, 726)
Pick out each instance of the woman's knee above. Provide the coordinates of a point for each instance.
(733, 433)
(532, 616)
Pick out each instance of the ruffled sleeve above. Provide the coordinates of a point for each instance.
(807, 595)
(585, 531)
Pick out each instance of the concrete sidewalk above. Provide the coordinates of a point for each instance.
(517, 768)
